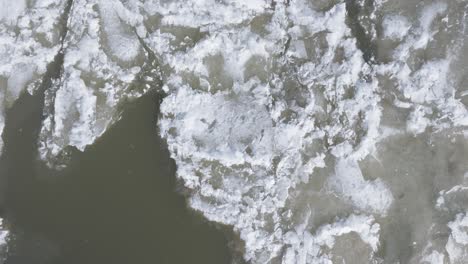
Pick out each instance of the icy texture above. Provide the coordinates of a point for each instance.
(290, 120)
(29, 41)
(3, 241)
(321, 131)
(272, 116)
(102, 57)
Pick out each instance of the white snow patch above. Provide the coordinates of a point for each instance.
(304, 247)
(457, 244)
(349, 183)
(396, 27)
(11, 10)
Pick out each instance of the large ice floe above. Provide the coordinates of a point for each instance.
(321, 131)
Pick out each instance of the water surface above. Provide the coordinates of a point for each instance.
(117, 202)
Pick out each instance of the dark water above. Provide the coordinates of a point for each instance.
(116, 204)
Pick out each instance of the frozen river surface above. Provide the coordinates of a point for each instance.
(308, 131)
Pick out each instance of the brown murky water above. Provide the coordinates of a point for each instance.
(117, 202)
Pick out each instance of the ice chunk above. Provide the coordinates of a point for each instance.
(102, 59)
(29, 41)
(349, 183)
(457, 244)
(3, 241)
(10, 11)
(396, 27)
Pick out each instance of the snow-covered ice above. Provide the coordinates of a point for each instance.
(306, 125)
